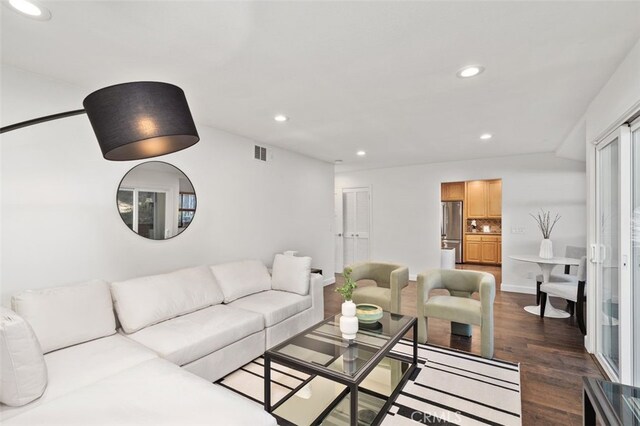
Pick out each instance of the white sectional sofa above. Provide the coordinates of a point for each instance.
(207, 320)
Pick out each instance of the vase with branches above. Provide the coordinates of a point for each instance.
(348, 320)
(546, 224)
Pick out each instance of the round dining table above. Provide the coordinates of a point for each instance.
(546, 265)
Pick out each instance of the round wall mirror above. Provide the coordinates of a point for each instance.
(156, 200)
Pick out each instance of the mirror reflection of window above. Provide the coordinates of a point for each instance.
(187, 209)
(156, 200)
(125, 206)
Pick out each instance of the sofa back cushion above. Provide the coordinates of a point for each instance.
(66, 316)
(291, 273)
(141, 302)
(239, 279)
(23, 372)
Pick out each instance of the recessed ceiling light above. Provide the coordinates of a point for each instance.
(30, 9)
(486, 136)
(470, 71)
(361, 153)
(280, 118)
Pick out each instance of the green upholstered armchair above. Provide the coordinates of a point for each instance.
(390, 279)
(458, 307)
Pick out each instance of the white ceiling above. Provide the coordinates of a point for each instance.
(378, 76)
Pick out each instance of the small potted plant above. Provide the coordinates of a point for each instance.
(348, 320)
(546, 225)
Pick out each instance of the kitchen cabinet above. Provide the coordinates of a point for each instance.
(483, 199)
(476, 199)
(452, 191)
(483, 249)
(494, 198)
(472, 250)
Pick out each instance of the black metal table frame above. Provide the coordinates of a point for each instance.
(352, 384)
(596, 406)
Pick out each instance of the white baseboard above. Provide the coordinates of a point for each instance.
(329, 281)
(515, 288)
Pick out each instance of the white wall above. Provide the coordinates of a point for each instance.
(406, 208)
(573, 146)
(60, 223)
(619, 97)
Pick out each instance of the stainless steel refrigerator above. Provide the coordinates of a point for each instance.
(451, 227)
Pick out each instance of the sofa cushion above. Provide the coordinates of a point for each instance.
(65, 316)
(155, 392)
(187, 338)
(274, 305)
(141, 302)
(23, 373)
(78, 366)
(239, 279)
(291, 273)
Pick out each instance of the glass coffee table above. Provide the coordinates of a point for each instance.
(610, 403)
(350, 382)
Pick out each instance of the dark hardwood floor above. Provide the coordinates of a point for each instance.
(550, 351)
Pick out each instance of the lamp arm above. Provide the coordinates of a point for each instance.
(41, 120)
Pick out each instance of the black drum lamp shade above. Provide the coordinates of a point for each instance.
(138, 120)
(134, 121)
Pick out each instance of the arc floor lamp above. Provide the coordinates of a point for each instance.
(133, 121)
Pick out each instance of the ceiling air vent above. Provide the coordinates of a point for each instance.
(260, 153)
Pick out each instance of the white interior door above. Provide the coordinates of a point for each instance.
(339, 231)
(635, 243)
(356, 205)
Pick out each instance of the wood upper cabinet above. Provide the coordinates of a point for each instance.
(452, 191)
(484, 199)
(494, 198)
(476, 198)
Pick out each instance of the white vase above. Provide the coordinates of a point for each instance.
(546, 249)
(348, 320)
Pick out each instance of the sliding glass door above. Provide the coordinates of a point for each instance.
(614, 255)
(635, 241)
(608, 253)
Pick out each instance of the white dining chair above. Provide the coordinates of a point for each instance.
(572, 252)
(571, 291)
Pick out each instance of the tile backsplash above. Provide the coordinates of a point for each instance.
(494, 224)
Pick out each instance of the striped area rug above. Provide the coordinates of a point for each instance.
(449, 388)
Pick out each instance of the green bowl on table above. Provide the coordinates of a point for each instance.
(368, 313)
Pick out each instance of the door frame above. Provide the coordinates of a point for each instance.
(625, 314)
(136, 207)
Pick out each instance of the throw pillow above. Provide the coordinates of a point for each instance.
(291, 273)
(23, 372)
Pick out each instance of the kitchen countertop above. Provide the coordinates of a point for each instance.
(483, 233)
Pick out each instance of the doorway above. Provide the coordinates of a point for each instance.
(144, 211)
(471, 223)
(613, 255)
(353, 226)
